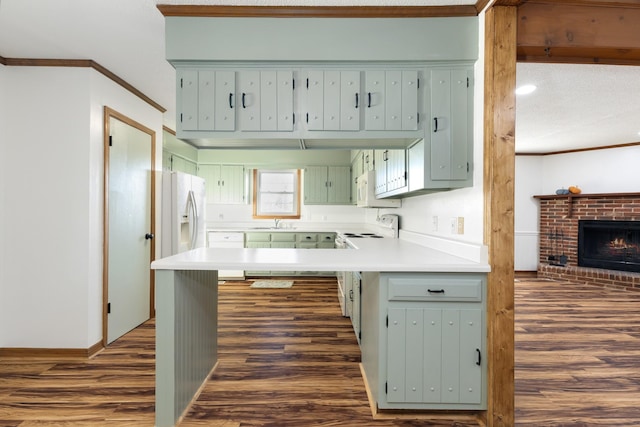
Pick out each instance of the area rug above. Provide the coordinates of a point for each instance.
(272, 284)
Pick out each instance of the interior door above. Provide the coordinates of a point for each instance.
(129, 228)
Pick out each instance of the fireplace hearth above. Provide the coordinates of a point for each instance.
(612, 245)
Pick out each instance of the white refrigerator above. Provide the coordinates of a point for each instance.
(183, 213)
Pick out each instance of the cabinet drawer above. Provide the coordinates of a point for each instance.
(217, 236)
(283, 237)
(258, 237)
(435, 289)
(307, 237)
(326, 237)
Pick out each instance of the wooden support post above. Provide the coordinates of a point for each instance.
(499, 172)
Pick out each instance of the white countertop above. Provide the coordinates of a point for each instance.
(392, 255)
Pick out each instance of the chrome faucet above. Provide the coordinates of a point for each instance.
(277, 222)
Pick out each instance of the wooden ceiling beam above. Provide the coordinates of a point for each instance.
(214, 11)
(599, 32)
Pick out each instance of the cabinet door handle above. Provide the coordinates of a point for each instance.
(243, 95)
(368, 99)
(435, 122)
(357, 100)
(479, 361)
(435, 291)
(231, 100)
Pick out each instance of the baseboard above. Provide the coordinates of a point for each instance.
(54, 353)
(526, 274)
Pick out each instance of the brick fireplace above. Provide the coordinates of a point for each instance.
(560, 216)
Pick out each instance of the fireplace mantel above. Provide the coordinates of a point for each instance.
(593, 195)
(572, 196)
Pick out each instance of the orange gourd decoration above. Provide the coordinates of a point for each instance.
(574, 189)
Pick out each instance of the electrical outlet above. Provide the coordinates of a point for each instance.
(454, 225)
(460, 225)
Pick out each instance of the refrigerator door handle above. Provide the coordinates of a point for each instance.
(194, 219)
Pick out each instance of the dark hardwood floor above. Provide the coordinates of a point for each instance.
(287, 358)
(577, 355)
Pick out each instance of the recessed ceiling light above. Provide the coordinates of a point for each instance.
(525, 89)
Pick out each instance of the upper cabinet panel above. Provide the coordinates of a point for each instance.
(321, 39)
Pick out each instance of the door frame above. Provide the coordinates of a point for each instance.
(110, 113)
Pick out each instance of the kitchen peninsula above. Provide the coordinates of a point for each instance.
(186, 307)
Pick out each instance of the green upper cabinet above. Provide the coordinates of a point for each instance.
(333, 100)
(444, 159)
(392, 100)
(215, 100)
(224, 184)
(206, 100)
(391, 172)
(327, 185)
(450, 131)
(179, 164)
(265, 100)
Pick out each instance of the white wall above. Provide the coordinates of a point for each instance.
(528, 183)
(612, 170)
(52, 245)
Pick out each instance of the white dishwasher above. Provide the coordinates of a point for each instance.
(227, 239)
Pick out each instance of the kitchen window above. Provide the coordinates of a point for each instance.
(276, 194)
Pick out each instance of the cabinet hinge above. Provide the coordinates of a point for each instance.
(108, 307)
(110, 141)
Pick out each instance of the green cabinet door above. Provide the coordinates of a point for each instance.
(450, 124)
(339, 190)
(224, 184)
(327, 185)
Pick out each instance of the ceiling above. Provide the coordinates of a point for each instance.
(574, 107)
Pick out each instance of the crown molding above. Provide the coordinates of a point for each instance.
(81, 63)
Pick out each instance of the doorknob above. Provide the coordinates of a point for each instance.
(148, 236)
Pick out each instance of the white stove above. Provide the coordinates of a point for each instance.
(386, 227)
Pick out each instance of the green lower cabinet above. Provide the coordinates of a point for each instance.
(423, 340)
(285, 239)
